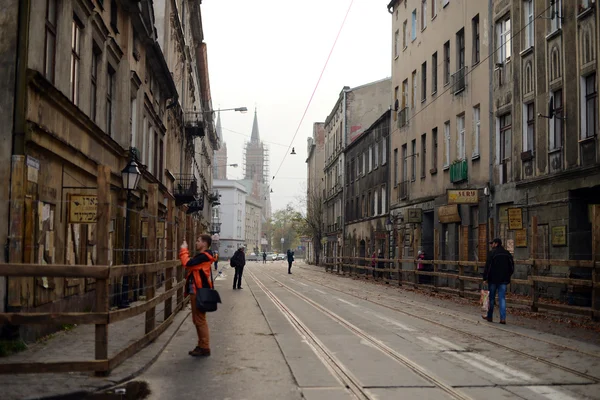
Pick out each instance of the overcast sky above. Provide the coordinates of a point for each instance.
(270, 53)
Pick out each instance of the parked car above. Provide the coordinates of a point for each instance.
(252, 257)
(281, 256)
(271, 256)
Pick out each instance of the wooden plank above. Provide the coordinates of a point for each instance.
(16, 227)
(171, 248)
(534, 268)
(53, 367)
(54, 318)
(476, 279)
(168, 286)
(595, 259)
(526, 282)
(133, 348)
(151, 246)
(566, 281)
(134, 269)
(565, 308)
(55, 270)
(565, 263)
(103, 249)
(119, 315)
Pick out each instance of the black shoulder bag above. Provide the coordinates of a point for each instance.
(206, 297)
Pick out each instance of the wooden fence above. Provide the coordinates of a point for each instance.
(103, 274)
(396, 271)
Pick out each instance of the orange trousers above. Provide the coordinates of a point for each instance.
(199, 320)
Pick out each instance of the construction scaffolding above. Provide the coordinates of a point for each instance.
(256, 161)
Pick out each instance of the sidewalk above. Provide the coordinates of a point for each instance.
(77, 344)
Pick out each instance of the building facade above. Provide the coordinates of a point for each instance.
(545, 111)
(94, 89)
(355, 111)
(253, 225)
(366, 191)
(440, 124)
(232, 216)
(315, 192)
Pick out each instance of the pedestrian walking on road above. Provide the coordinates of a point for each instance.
(216, 254)
(264, 257)
(498, 269)
(238, 261)
(290, 260)
(197, 276)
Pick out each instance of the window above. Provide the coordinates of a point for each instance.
(476, 41)
(404, 34)
(75, 59)
(505, 136)
(384, 151)
(433, 8)
(460, 49)
(414, 90)
(357, 167)
(133, 120)
(529, 19)
(114, 13)
(555, 15)
(375, 202)
(376, 156)
(110, 101)
(396, 43)
(446, 63)
(50, 40)
(150, 149)
(396, 167)
(364, 163)
(589, 108)
(413, 161)
(383, 200)
(413, 28)
(145, 129)
(434, 73)
(556, 121)
(423, 154)
(476, 130)
(404, 94)
(424, 14)
(370, 158)
(434, 148)
(446, 144)
(404, 164)
(460, 139)
(96, 56)
(503, 40)
(156, 150)
(424, 81)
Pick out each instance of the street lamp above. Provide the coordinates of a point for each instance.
(131, 177)
(238, 109)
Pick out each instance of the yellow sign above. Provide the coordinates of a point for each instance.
(521, 238)
(467, 196)
(515, 218)
(559, 235)
(448, 214)
(83, 209)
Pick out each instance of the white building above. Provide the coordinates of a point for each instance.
(232, 214)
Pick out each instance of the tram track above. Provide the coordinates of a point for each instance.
(467, 333)
(350, 382)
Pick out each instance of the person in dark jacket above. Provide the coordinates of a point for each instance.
(238, 261)
(498, 269)
(290, 260)
(264, 257)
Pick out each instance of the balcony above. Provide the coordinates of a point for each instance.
(459, 171)
(185, 189)
(403, 117)
(195, 206)
(214, 198)
(194, 124)
(215, 227)
(403, 190)
(459, 80)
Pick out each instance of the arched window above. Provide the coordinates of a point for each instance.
(528, 78)
(555, 67)
(587, 47)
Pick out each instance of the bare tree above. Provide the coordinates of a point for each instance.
(312, 219)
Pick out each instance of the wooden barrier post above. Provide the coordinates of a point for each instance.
(464, 256)
(16, 228)
(534, 268)
(151, 276)
(180, 238)
(103, 250)
(436, 257)
(596, 260)
(170, 247)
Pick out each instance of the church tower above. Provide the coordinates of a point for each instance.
(256, 169)
(220, 156)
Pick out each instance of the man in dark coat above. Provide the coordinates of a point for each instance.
(290, 260)
(498, 269)
(238, 261)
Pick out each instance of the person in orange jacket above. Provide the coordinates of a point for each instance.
(198, 270)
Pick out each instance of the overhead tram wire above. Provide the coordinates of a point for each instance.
(540, 15)
(316, 87)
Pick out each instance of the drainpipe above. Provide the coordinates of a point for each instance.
(491, 117)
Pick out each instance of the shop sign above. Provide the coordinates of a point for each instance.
(83, 209)
(448, 214)
(559, 236)
(470, 196)
(380, 235)
(521, 238)
(515, 218)
(414, 215)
